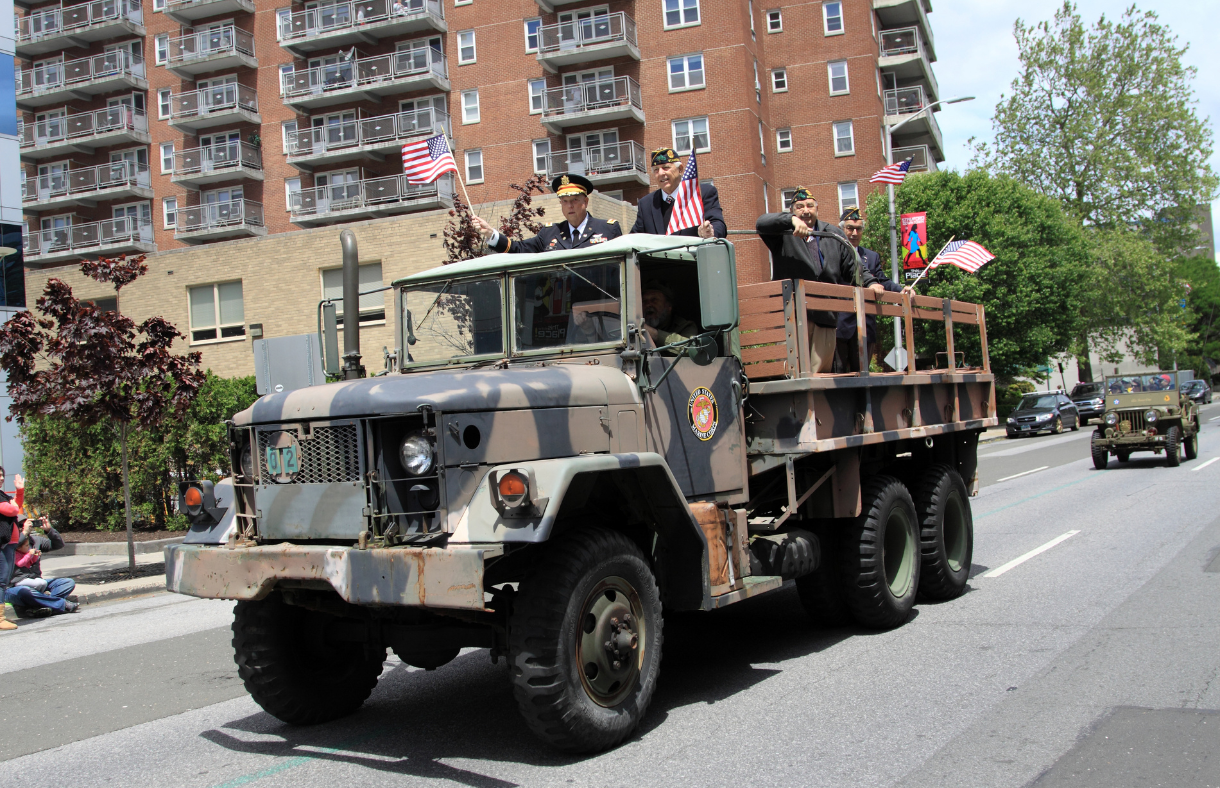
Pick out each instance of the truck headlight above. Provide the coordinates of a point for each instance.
(245, 461)
(1150, 416)
(1111, 418)
(416, 454)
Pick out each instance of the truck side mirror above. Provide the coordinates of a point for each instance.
(703, 350)
(717, 285)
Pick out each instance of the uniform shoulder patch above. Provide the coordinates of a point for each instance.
(611, 221)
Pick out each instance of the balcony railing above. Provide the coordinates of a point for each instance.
(223, 217)
(904, 101)
(82, 127)
(87, 182)
(368, 73)
(79, 75)
(623, 161)
(187, 11)
(329, 23)
(366, 133)
(592, 32)
(208, 45)
(224, 160)
(219, 100)
(604, 98)
(82, 22)
(367, 197)
(902, 41)
(68, 242)
(921, 161)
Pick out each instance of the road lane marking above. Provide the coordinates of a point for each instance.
(999, 570)
(1204, 465)
(1213, 418)
(1023, 473)
(1027, 499)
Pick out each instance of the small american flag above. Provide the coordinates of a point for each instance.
(893, 173)
(966, 255)
(688, 200)
(425, 161)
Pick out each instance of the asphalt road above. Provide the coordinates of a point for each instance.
(1092, 663)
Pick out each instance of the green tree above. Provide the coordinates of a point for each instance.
(1203, 314)
(1029, 290)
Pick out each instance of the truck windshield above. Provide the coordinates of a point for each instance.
(1133, 384)
(454, 320)
(567, 306)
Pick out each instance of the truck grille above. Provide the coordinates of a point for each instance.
(329, 454)
(1133, 417)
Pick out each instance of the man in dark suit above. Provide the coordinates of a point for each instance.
(578, 231)
(848, 353)
(653, 211)
(796, 254)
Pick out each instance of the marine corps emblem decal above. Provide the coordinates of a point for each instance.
(702, 413)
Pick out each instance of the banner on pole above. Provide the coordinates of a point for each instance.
(913, 243)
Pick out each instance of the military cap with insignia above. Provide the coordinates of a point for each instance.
(851, 215)
(664, 156)
(568, 184)
(802, 193)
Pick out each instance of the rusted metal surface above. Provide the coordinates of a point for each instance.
(712, 523)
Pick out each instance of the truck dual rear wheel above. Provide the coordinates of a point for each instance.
(1173, 447)
(946, 533)
(585, 641)
(880, 556)
(293, 670)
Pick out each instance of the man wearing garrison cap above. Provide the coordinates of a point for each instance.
(797, 254)
(847, 356)
(653, 211)
(579, 230)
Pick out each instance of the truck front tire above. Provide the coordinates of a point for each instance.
(585, 641)
(1173, 447)
(880, 556)
(1191, 445)
(1101, 455)
(293, 670)
(946, 533)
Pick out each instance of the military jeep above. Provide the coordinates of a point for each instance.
(1146, 412)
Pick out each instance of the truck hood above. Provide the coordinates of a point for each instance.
(521, 387)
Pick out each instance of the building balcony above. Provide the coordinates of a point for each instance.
(222, 105)
(188, 11)
(587, 40)
(220, 220)
(906, 13)
(67, 244)
(903, 102)
(228, 161)
(549, 6)
(366, 138)
(920, 156)
(624, 162)
(365, 79)
(206, 51)
(905, 55)
(364, 22)
(86, 187)
(62, 81)
(592, 102)
(367, 199)
(52, 28)
(83, 133)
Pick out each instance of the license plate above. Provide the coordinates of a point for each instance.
(1025, 427)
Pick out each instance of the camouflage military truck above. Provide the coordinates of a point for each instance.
(534, 478)
(1146, 412)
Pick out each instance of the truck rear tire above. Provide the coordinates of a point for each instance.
(946, 533)
(293, 670)
(821, 593)
(880, 556)
(1173, 447)
(593, 589)
(1101, 455)
(1191, 445)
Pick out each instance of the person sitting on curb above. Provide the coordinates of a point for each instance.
(32, 595)
(10, 507)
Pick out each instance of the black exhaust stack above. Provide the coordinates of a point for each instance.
(351, 307)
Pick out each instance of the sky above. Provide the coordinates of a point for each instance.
(977, 56)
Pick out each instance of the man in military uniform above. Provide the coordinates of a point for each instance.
(653, 211)
(848, 353)
(662, 325)
(579, 230)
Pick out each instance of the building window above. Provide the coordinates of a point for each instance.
(217, 312)
(161, 49)
(287, 73)
(292, 190)
(169, 210)
(685, 72)
(372, 305)
(775, 21)
(474, 166)
(783, 139)
(466, 53)
(779, 80)
(531, 34)
(837, 70)
(845, 144)
(679, 13)
(750, 9)
(283, 23)
(832, 18)
(462, 2)
(691, 134)
(757, 84)
(167, 158)
(542, 152)
(470, 106)
(785, 199)
(848, 197)
(158, 5)
(164, 103)
(762, 144)
(288, 131)
(537, 95)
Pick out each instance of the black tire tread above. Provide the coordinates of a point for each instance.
(936, 579)
(867, 595)
(1101, 456)
(1191, 445)
(1173, 447)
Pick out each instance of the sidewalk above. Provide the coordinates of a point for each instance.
(89, 570)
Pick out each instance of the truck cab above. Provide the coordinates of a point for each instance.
(1146, 412)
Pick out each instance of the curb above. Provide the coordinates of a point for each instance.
(121, 593)
(116, 548)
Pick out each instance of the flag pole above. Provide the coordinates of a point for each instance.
(928, 267)
(458, 172)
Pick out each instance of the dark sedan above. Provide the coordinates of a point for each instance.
(1048, 411)
(1198, 390)
(1089, 399)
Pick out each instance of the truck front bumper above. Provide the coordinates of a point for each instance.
(411, 576)
(1138, 440)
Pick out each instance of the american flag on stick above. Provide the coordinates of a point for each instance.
(966, 255)
(427, 160)
(688, 200)
(893, 173)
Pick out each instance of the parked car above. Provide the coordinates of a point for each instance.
(1089, 399)
(1198, 390)
(1046, 411)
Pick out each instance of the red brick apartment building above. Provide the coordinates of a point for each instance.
(156, 124)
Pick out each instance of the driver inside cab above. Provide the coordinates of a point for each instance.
(662, 325)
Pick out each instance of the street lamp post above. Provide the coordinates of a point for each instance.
(889, 159)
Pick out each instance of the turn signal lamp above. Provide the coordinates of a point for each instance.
(513, 488)
(193, 499)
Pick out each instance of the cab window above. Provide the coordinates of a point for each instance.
(568, 306)
(454, 320)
